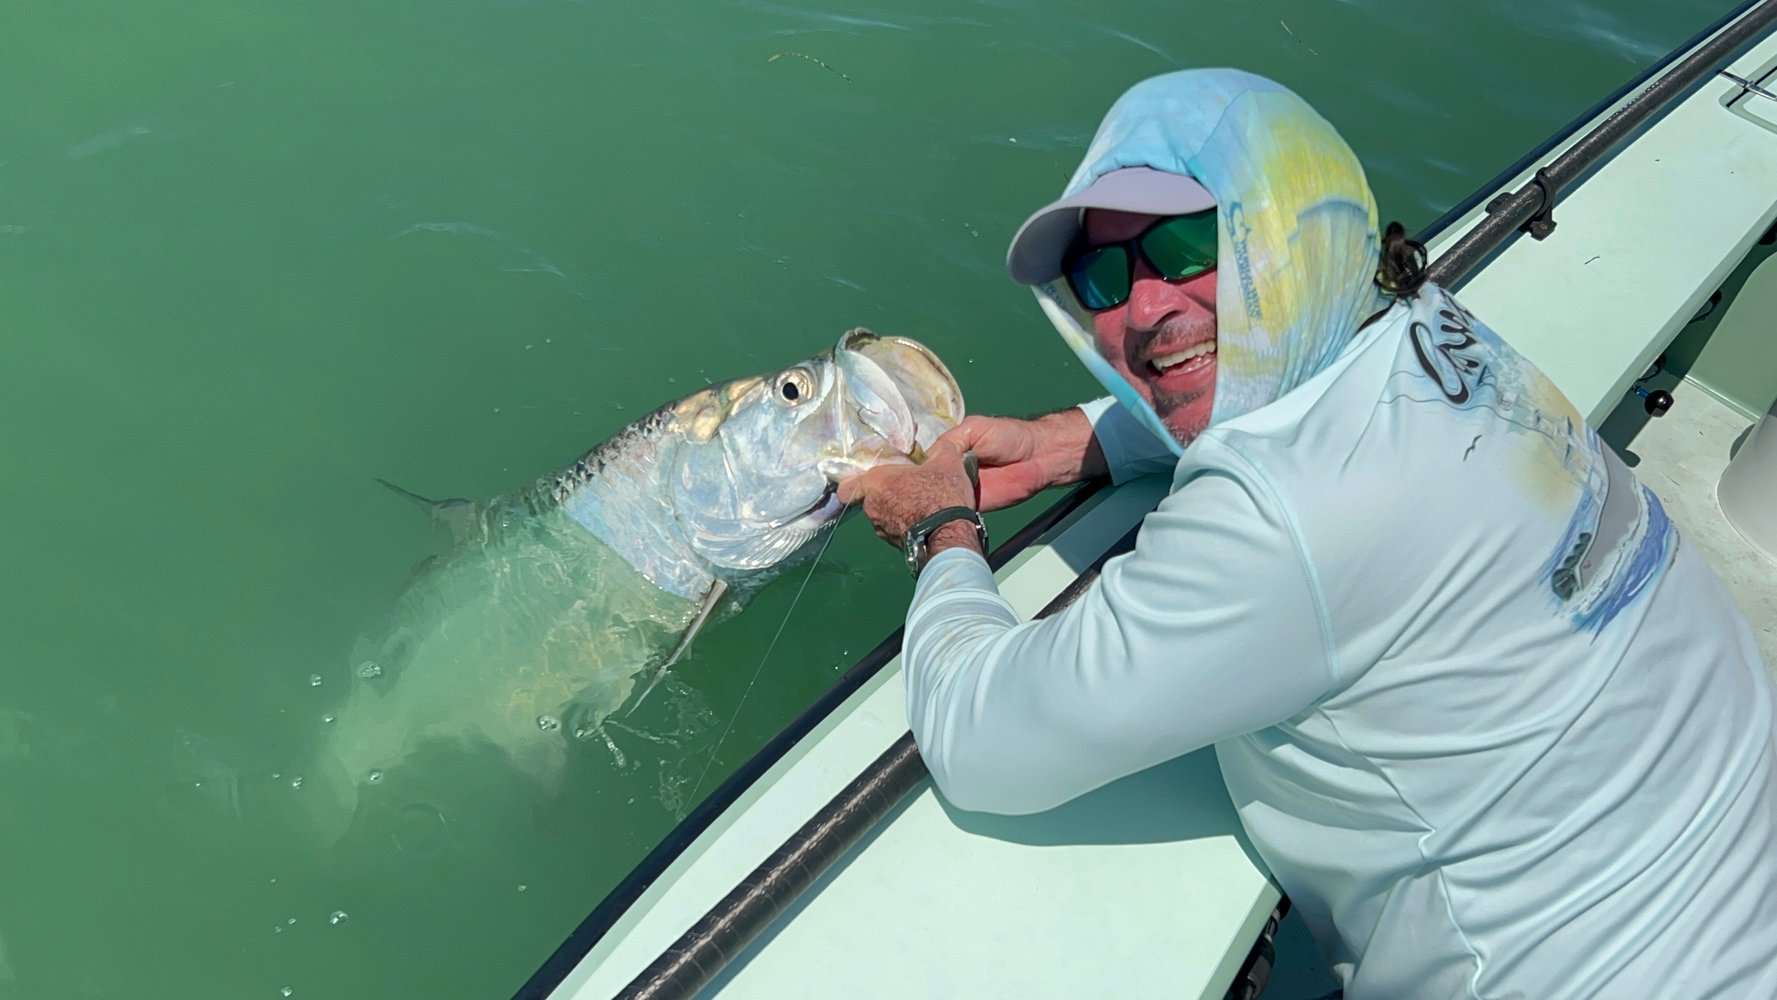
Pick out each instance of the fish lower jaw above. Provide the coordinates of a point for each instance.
(829, 509)
(858, 463)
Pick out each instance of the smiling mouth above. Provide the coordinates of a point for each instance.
(1191, 359)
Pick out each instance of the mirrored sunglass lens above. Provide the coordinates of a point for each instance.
(1101, 278)
(1182, 247)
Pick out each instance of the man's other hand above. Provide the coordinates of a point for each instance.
(1021, 458)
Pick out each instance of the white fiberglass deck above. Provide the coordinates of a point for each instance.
(1145, 888)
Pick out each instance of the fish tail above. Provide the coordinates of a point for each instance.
(426, 502)
(455, 513)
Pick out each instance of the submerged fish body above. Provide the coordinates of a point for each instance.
(555, 602)
(513, 640)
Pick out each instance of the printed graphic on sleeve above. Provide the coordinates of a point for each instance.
(1617, 538)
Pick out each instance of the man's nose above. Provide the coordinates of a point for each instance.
(1153, 298)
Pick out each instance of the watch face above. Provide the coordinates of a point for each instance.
(915, 548)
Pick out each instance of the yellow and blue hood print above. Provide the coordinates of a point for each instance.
(1298, 244)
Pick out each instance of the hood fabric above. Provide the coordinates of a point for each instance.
(1298, 243)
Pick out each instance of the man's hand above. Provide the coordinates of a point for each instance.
(1021, 458)
(895, 496)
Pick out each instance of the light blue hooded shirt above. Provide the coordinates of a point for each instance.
(1492, 724)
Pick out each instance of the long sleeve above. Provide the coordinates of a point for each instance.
(1130, 449)
(1211, 628)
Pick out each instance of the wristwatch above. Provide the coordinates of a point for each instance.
(914, 544)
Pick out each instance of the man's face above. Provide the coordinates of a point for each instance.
(1163, 340)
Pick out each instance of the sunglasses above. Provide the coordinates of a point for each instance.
(1176, 247)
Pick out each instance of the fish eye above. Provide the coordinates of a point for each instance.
(794, 386)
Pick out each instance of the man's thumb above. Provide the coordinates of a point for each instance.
(966, 434)
(851, 489)
(947, 449)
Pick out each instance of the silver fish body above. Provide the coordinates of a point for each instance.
(555, 600)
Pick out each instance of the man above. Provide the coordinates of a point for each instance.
(1495, 728)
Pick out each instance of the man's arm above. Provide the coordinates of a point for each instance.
(1213, 627)
(1128, 447)
(1017, 460)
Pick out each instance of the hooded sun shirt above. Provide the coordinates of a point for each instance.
(1495, 727)
(1297, 245)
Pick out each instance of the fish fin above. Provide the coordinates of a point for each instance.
(456, 513)
(711, 598)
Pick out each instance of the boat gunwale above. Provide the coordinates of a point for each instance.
(706, 812)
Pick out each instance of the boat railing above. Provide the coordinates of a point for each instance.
(1530, 209)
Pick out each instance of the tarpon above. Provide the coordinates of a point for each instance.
(558, 603)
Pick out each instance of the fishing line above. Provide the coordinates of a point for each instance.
(762, 661)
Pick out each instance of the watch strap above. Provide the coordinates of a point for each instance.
(914, 543)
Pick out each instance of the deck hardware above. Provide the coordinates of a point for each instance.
(1542, 219)
(1657, 401)
(1261, 960)
(1703, 312)
(1748, 87)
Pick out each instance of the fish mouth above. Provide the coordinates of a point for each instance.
(901, 394)
(828, 498)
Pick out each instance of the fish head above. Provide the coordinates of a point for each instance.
(760, 460)
(894, 398)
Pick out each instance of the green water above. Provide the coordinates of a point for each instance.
(255, 254)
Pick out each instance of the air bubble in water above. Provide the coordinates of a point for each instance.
(548, 723)
(375, 775)
(314, 680)
(338, 917)
(327, 718)
(369, 670)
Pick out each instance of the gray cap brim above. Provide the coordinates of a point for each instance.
(1036, 251)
